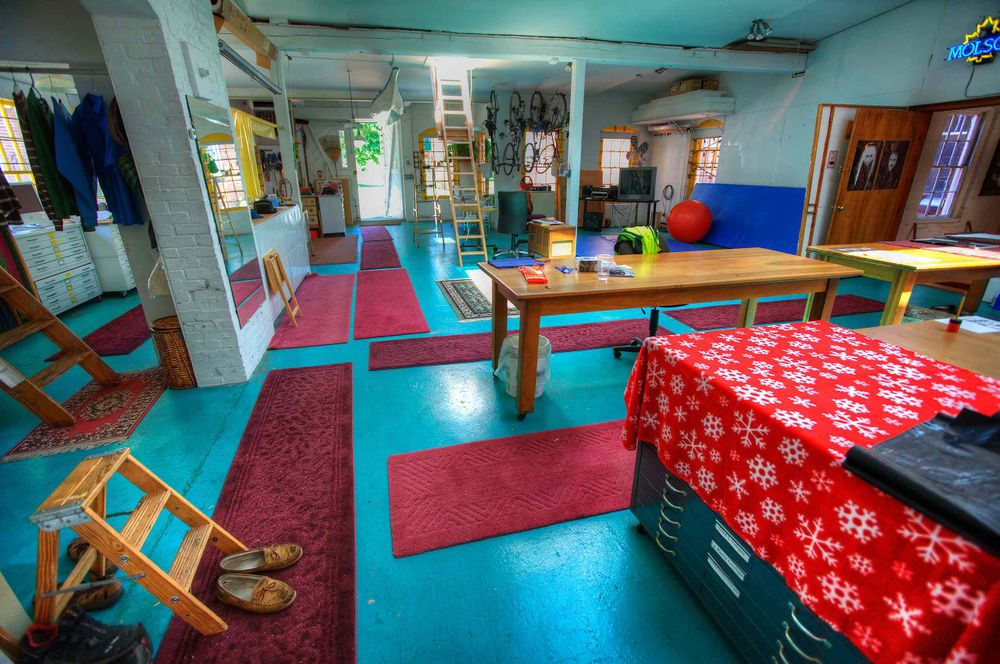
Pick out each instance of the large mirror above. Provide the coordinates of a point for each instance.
(220, 165)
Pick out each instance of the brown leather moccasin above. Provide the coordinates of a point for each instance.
(255, 593)
(267, 559)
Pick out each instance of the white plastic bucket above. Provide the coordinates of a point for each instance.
(507, 365)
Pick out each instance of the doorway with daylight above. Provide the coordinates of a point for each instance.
(379, 174)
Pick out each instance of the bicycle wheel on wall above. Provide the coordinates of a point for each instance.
(530, 157)
(509, 159)
(516, 110)
(557, 111)
(536, 110)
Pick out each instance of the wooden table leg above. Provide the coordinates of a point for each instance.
(974, 296)
(748, 311)
(527, 358)
(899, 297)
(499, 322)
(46, 576)
(820, 305)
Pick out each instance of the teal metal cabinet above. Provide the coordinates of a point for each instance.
(749, 601)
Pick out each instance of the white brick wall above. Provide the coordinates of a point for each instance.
(145, 57)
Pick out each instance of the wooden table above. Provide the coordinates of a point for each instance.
(660, 280)
(976, 352)
(904, 268)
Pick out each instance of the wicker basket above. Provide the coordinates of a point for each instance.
(173, 353)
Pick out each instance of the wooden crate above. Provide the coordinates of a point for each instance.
(552, 240)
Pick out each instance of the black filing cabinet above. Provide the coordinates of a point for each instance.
(749, 601)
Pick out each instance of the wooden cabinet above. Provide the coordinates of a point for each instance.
(761, 616)
(551, 240)
(310, 207)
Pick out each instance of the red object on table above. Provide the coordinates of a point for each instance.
(758, 421)
(534, 274)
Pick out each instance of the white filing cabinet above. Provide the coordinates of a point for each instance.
(331, 215)
(59, 263)
(108, 251)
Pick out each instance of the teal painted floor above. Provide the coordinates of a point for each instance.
(591, 590)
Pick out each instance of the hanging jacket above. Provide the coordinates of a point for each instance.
(90, 121)
(59, 192)
(73, 167)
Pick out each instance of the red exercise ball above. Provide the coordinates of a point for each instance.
(690, 221)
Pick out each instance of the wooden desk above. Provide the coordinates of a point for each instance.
(909, 267)
(660, 280)
(976, 352)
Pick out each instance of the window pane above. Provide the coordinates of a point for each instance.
(951, 159)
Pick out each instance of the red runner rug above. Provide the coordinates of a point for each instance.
(104, 414)
(334, 250)
(386, 305)
(781, 311)
(374, 233)
(248, 272)
(457, 348)
(378, 255)
(325, 303)
(243, 289)
(292, 480)
(119, 336)
(463, 493)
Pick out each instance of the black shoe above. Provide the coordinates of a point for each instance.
(79, 639)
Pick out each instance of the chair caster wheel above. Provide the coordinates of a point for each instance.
(641, 529)
(618, 354)
(521, 416)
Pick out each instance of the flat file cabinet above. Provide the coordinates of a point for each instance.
(59, 263)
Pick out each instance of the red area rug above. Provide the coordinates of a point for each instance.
(378, 255)
(104, 414)
(325, 302)
(457, 348)
(119, 336)
(243, 289)
(387, 306)
(453, 495)
(334, 250)
(309, 502)
(374, 233)
(782, 311)
(248, 272)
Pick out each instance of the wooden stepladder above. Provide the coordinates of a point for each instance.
(80, 503)
(424, 181)
(277, 281)
(35, 318)
(453, 116)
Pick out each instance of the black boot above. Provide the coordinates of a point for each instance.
(79, 639)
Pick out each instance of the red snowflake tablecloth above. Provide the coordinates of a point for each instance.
(758, 420)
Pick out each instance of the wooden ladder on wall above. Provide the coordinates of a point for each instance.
(453, 116)
(80, 503)
(35, 319)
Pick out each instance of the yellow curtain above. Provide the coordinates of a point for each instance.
(245, 127)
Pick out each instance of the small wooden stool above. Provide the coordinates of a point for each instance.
(80, 502)
(277, 281)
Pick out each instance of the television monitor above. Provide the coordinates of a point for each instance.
(637, 184)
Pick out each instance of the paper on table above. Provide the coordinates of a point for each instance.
(898, 257)
(977, 324)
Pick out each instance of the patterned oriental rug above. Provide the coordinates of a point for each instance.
(463, 493)
(104, 414)
(468, 301)
(309, 501)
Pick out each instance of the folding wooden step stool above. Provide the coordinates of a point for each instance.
(277, 280)
(80, 503)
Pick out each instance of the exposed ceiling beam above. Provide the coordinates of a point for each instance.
(509, 47)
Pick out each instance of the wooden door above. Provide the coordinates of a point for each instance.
(875, 181)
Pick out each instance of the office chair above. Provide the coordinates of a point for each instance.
(512, 219)
(654, 312)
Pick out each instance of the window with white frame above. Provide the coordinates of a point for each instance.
(956, 146)
(227, 179)
(546, 147)
(14, 158)
(615, 146)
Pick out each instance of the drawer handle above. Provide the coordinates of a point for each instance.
(664, 517)
(672, 487)
(661, 531)
(781, 654)
(663, 548)
(798, 623)
(796, 648)
(663, 495)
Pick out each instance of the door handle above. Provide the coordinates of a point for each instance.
(838, 208)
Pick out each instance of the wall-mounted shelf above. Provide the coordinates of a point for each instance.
(696, 105)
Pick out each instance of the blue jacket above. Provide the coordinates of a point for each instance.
(70, 162)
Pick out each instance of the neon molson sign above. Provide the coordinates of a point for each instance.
(980, 46)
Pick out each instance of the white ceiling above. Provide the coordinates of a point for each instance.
(711, 23)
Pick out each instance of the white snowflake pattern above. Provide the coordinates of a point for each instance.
(713, 426)
(861, 564)
(793, 451)
(755, 394)
(903, 371)
(821, 481)
(956, 599)
(796, 566)
(676, 384)
(840, 441)
(760, 368)
(802, 401)
(960, 656)
(874, 356)
(654, 374)
(706, 480)
(666, 434)
(747, 522)
(751, 433)
(649, 420)
(908, 617)
(840, 593)
(953, 391)
(762, 472)
(692, 402)
(799, 490)
(738, 485)
(902, 398)
(715, 456)
(902, 412)
(772, 511)
(663, 402)
(683, 469)
(850, 406)
(852, 391)
(732, 375)
(862, 425)
(932, 541)
(792, 418)
(772, 383)
(817, 545)
(673, 356)
(799, 377)
(692, 445)
(892, 383)
(838, 368)
(865, 636)
(680, 414)
(858, 521)
(757, 350)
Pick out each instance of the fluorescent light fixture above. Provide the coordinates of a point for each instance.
(240, 63)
